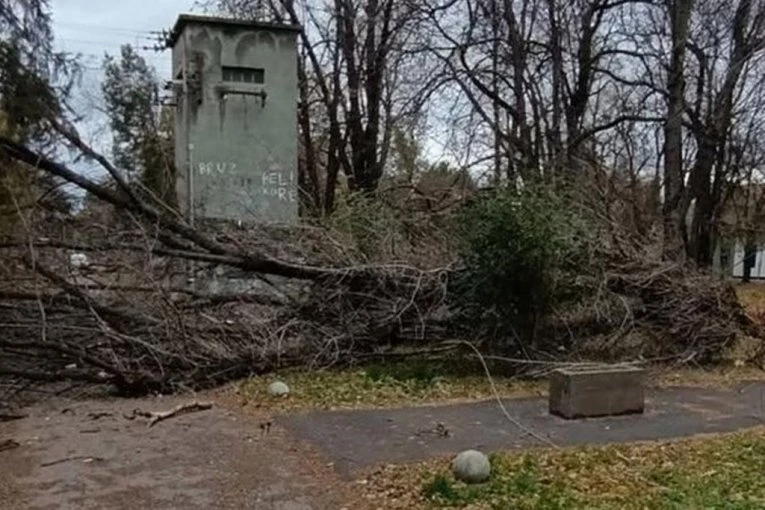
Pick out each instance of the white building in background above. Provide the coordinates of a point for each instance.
(737, 261)
(742, 219)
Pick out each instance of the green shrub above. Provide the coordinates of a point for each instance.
(420, 372)
(441, 488)
(511, 245)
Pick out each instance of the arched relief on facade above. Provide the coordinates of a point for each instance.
(210, 44)
(268, 39)
(245, 43)
(205, 57)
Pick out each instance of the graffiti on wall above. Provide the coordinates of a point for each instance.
(275, 183)
(216, 168)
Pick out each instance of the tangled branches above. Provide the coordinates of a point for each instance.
(151, 335)
(378, 307)
(148, 303)
(647, 308)
(682, 310)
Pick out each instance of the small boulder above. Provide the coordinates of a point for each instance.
(471, 466)
(278, 389)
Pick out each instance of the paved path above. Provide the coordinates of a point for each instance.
(86, 455)
(359, 439)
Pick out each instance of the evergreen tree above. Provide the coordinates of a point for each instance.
(34, 85)
(142, 138)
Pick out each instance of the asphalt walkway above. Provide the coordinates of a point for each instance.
(360, 439)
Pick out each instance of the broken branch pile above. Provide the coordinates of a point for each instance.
(161, 304)
(645, 308)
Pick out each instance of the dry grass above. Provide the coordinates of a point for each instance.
(395, 385)
(752, 297)
(719, 377)
(405, 385)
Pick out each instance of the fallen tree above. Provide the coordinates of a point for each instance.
(142, 315)
(158, 333)
(651, 309)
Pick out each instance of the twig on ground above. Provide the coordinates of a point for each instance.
(12, 417)
(98, 415)
(84, 458)
(497, 397)
(8, 444)
(156, 417)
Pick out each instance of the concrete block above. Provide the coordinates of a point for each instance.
(591, 392)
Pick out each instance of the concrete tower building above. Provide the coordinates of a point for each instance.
(236, 136)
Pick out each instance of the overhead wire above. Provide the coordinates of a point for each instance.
(104, 35)
(97, 41)
(98, 26)
(112, 43)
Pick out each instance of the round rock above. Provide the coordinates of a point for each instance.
(278, 389)
(471, 466)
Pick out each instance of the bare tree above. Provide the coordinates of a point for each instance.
(349, 71)
(722, 77)
(679, 13)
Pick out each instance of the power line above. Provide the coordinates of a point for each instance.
(159, 70)
(158, 37)
(99, 57)
(97, 26)
(144, 54)
(102, 41)
(147, 52)
(136, 44)
(97, 63)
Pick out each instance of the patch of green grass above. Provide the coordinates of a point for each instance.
(719, 473)
(727, 477)
(441, 488)
(381, 385)
(522, 488)
(422, 373)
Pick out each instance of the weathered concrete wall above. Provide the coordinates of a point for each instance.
(243, 164)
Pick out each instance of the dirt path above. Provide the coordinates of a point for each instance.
(87, 455)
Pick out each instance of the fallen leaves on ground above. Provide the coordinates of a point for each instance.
(372, 387)
(727, 376)
(417, 383)
(710, 472)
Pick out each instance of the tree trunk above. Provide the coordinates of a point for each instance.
(674, 249)
(750, 256)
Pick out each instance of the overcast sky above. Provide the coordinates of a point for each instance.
(92, 28)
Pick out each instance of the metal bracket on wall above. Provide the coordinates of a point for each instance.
(257, 93)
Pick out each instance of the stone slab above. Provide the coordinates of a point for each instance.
(594, 392)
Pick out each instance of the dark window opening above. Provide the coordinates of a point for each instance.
(244, 75)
